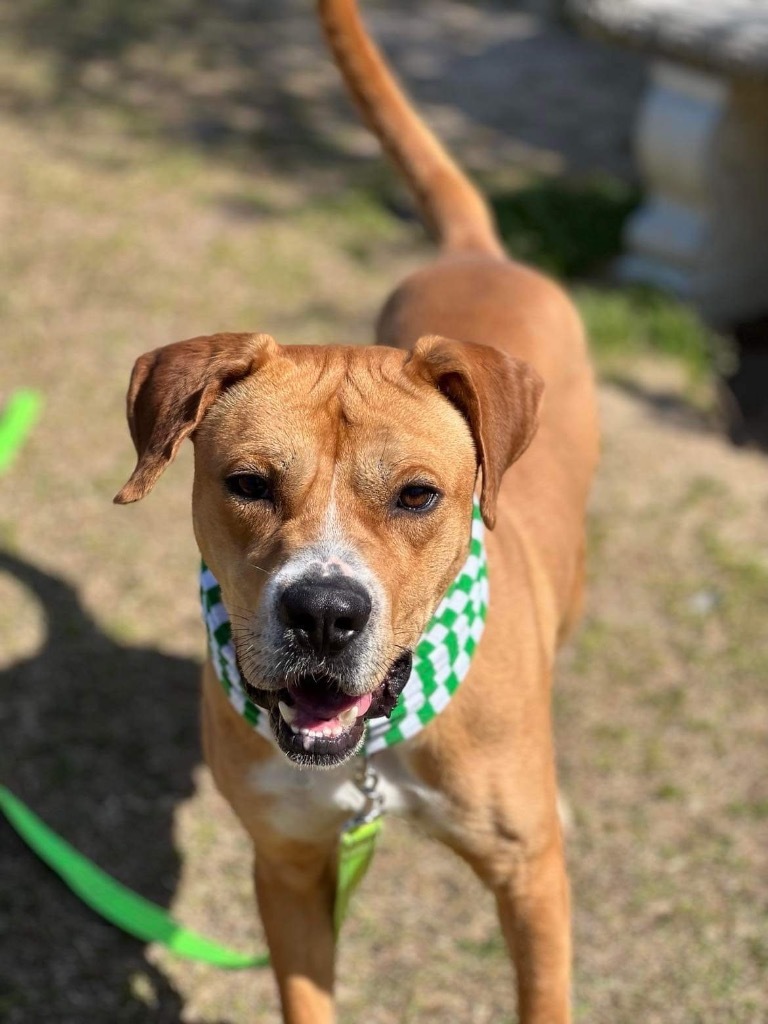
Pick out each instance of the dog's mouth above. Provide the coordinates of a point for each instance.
(318, 725)
(314, 724)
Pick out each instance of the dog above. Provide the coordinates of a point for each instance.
(334, 489)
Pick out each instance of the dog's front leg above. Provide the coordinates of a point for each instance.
(295, 890)
(534, 910)
(524, 868)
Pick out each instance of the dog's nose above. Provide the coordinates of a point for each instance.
(325, 613)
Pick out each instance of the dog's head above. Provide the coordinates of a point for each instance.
(332, 501)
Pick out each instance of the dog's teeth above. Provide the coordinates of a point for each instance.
(295, 730)
(309, 739)
(286, 711)
(349, 716)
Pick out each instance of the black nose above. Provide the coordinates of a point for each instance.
(326, 613)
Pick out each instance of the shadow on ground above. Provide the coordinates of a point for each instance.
(255, 76)
(233, 77)
(102, 746)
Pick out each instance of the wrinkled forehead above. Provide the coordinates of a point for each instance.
(336, 406)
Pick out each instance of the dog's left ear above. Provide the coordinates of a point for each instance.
(498, 395)
(171, 390)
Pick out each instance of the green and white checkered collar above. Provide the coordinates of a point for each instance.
(441, 659)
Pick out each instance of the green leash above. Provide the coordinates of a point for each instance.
(149, 922)
(113, 901)
(21, 412)
(110, 899)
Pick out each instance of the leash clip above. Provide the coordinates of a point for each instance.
(367, 781)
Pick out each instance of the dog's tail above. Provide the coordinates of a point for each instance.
(450, 205)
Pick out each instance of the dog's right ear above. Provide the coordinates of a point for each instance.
(171, 390)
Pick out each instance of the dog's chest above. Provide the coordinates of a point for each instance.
(306, 802)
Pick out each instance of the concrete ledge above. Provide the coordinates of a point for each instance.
(729, 37)
(701, 143)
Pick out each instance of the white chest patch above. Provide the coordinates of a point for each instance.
(309, 803)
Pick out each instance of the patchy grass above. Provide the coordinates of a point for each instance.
(674, 650)
(625, 324)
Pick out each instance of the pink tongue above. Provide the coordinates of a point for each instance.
(321, 710)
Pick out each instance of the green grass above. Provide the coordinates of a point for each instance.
(623, 323)
(567, 229)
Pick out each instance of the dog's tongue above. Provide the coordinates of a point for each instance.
(316, 707)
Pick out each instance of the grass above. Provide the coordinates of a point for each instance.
(626, 323)
(122, 233)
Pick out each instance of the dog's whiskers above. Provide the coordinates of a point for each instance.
(255, 565)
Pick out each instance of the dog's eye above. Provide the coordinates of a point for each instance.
(249, 487)
(417, 498)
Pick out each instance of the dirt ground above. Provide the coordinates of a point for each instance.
(184, 173)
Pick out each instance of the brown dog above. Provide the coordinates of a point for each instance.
(332, 501)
